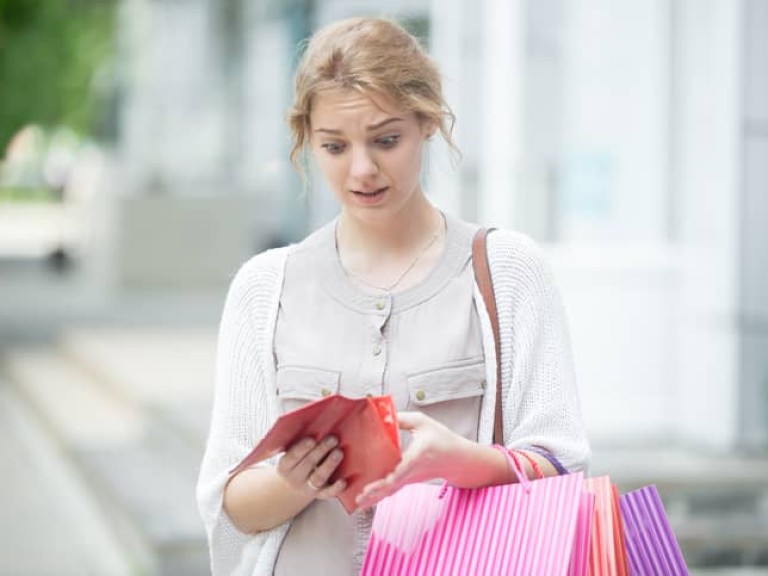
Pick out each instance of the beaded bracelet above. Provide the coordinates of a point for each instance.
(512, 454)
(561, 470)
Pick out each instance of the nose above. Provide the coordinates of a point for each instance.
(363, 164)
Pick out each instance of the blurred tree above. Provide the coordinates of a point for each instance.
(49, 53)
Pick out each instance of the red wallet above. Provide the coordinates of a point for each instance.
(367, 432)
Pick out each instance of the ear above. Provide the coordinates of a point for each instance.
(428, 129)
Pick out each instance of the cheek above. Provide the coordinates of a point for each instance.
(331, 168)
(410, 163)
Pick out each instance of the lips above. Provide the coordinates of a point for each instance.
(370, 193)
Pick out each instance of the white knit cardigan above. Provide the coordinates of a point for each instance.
(540, 399)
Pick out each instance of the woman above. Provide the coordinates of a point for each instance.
(380, 301)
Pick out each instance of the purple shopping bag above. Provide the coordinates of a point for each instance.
(651, 544)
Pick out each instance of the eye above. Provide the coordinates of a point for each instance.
(388, 142)
(333, 147)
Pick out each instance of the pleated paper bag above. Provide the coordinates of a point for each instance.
(582, 539)
(652, 548)
(513, 529)
(607, 555)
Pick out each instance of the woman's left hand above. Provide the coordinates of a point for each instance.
(434, 452)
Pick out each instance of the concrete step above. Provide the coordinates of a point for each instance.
(82, 413)
(151, 486)
(731, 571)
(717, 503)
(132, 405)
(167, 371)
(139, 467)
(737, 538)
(51, 523)
(676, 470)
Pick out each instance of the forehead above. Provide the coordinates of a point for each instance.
(340, 106)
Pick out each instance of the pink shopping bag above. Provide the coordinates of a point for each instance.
(607, 555)
(512, 529)
(582, 539)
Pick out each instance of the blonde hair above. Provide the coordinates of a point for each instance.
(375, 56)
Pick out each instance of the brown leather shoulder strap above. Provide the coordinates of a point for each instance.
(485, 283)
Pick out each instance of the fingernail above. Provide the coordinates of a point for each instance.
(336, 455)
(308, 443)
(331, 441)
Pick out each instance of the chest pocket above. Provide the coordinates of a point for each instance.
(297, 385)
(450, 394)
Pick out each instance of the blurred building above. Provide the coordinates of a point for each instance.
(629, 138)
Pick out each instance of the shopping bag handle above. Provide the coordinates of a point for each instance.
(516, 466)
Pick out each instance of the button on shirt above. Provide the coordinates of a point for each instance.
(423, 346)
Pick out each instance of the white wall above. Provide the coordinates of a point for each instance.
(641, 182)
(501, 103)
(622, 316)
(614, 168)
(173, 118)
(708, 185)
(616, 268)
(754, 230)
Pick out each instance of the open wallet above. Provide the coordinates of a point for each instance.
(365, 427)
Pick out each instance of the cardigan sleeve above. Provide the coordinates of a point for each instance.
(540, 399)
(242, 411)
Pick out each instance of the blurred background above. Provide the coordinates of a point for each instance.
(144, 156)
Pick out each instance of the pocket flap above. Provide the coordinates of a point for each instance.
(449, 383)
(305, 383)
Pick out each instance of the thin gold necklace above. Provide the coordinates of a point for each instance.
(404, 273)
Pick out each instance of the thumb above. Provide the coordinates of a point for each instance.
(409, 420)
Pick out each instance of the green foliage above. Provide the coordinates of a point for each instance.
(49, 53)
(27, 195)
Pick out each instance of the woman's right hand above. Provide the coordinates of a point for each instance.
(307, 466)
(263, 497)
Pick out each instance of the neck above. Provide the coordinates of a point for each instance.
(390, 237)
(394, 254)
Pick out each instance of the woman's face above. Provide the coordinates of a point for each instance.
(368, 151)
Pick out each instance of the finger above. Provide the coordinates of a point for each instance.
(325, 469)
(405, 467)
(314, 457)
(374, 492)
(295, 454)
(373, 488)
(333, 490)
(318, 477)
(379, 489)
(407, 471)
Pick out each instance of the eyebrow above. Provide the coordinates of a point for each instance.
(370, 128)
